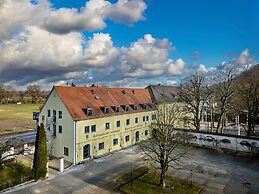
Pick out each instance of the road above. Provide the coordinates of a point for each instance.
(27, 137)
(220, 173)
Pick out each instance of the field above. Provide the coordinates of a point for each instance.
(17, 117)
(147, 183)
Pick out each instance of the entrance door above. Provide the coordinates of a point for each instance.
(86, 151)
(137, 136)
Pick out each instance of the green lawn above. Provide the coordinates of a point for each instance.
(17, 117)
(14, 173)
(148, 184)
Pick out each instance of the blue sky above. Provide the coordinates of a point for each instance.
(198, 32)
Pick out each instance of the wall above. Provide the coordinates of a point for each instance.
(223, 142)
(65, 139)
(107, 135)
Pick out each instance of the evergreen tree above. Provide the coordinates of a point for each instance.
(40, 155)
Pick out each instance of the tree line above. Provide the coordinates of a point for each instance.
(223, 97)
(33, 94)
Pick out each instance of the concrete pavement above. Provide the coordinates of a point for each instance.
(220, 173)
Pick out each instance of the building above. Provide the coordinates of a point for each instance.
(87, 122)
(167, 96)
(161, 94)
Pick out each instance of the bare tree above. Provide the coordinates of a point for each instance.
(194, 93)
(247, 97)
(160, 148)
(223, 94)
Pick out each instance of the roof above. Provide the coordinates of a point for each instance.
(76, 99)
(162, 94)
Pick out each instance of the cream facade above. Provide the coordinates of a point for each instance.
(81, 140)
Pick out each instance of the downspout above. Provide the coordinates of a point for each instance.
(74, 144)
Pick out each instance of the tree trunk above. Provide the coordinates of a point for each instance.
(162, 178)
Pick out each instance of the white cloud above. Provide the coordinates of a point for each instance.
(100, 52)
(244, 62)
(149, 57)
(127, 11)
(36, 54)
(16, 15)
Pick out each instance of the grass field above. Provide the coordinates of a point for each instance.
(17, 117)
(148, 184)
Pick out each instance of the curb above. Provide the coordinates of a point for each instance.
(19, 185)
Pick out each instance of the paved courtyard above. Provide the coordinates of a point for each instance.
(220, 173)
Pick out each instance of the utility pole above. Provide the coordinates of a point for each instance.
(238, 125)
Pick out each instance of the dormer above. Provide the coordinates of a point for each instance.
(88, 111)
(144, 106)
(105, 110)
(125, 108)
(134, 107)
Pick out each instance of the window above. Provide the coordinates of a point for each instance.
(106, 110)
(60, 128)
(135, 107)
(144, 118)
(87, 129)
(147, 118)
(101, 146)
(89, 112)
(118, 123)
(54, 115)
(127, 137)
(60, 114)
(66, 151)
(117, 109)
(146, 132)
(107, 126)
(153, 117)
(126, 108)
(128, 122)
(144, 106)
(48, 113)
(136, 120)
(93, 128)
(54, 130)
(115, 141)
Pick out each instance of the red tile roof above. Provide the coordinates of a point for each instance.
(78, 98)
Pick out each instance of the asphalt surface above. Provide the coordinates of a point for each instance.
(218, 172)
(27, 137)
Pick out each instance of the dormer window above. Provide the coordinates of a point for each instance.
(126, 108)
(117, 109)
(144, 106)
(135, 107)
(106, 110)
(89, 112)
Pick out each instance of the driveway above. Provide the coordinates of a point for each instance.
(220, 173)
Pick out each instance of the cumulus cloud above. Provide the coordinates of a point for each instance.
(36, 54)
(100, 52)
(126, 11)
(149, 57)
(241, 63)
(15, 15)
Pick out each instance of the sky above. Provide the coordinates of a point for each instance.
(123, 43)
